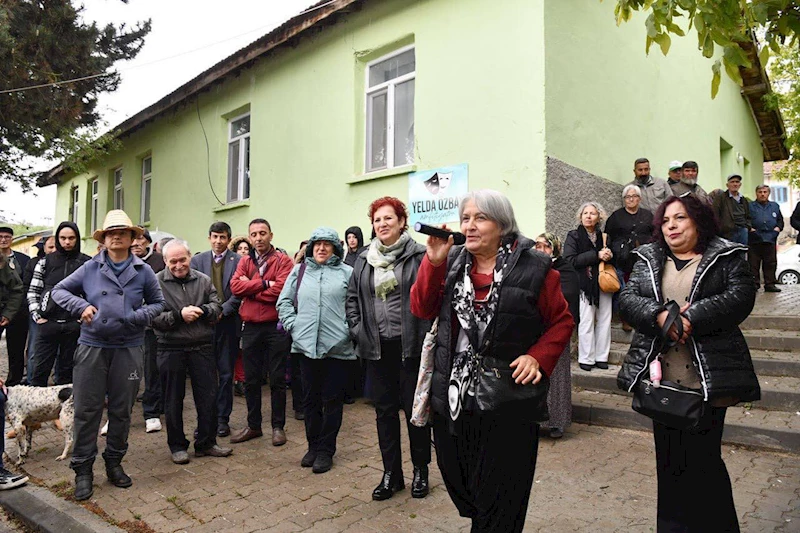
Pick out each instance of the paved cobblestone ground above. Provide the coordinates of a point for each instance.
(594, 479)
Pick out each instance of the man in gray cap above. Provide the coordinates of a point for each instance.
(733, 212)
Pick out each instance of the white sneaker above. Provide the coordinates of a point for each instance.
(9, 480)
(151, 425)
(104, 430)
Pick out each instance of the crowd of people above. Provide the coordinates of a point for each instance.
(341, 317)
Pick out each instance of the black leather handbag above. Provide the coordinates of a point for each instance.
(496, 390)
(670, 404)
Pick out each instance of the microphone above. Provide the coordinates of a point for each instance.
(458, 238)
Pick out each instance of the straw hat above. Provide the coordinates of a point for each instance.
(117, 219)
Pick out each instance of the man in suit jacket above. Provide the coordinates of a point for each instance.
(17, 328)
(219, 264)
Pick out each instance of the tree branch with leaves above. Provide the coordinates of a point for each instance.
(53, 68)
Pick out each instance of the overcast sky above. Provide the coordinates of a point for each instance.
(187, 37)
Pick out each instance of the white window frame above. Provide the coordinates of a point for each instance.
(774, 193)
(119, 198)
(146, 192)
(388, 87)
(240, 172)
(94, 187)
(76, 200)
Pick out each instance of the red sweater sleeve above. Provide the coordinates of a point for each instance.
(282, 267)
(428, 290)
(245, 288)
(555, 312)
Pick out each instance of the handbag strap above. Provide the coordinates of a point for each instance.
(300, 274)
(673, 317)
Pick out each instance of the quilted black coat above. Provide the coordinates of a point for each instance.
(723, 294)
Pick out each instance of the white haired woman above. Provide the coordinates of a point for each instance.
(584, 249)
(501, 312)
(628, 228)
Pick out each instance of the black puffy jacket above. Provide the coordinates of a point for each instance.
(723, 294)
(517, 324)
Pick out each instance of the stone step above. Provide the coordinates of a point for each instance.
(757, 339)
(777, 393)
(770, 430)
(784, 323)
(766, 362)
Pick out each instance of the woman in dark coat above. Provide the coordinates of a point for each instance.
(712, 281)
(584, 250)
(389, 338)
(559, 397)
(500, 306)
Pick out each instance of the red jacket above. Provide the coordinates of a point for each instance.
(260, 293)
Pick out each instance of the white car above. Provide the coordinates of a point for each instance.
(788, 271)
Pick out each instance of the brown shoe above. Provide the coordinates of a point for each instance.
(278, 437)
(214, 451)
(246, 434)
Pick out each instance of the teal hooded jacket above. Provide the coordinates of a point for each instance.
(318, 326)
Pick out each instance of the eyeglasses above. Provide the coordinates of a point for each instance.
(630, 196)
(6, 237)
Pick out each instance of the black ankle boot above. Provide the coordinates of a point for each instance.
(419, 485)
(116, 475)
(83, 482)
(390, 484)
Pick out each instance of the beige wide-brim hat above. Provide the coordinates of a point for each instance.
(116, 219)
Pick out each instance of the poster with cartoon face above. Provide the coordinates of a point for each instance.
(434, 195)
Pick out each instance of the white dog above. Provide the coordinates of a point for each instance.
(28, 406)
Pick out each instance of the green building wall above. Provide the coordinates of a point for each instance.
(607, 103)
(477, 101)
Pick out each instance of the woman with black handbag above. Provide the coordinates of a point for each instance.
(686, 297)
(503, 323)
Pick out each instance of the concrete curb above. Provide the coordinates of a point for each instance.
(41, 510)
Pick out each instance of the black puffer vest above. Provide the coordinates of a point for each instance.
(516, 326)
(723, 294)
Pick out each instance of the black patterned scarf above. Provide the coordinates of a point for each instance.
(474, 321)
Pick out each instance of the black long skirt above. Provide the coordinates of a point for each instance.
(488, 463)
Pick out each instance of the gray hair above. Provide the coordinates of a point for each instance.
(631, 187)
(175, 243)
(494, 205)
(602, 215)
(762, 186)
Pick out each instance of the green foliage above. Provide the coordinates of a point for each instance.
(784, 73)
(44, 42)
(724, 23)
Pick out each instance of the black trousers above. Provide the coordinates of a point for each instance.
(324, 381)
(298, 389)
(262, 342)
(201, 365)
(56, 343)
(152, 400)
(694, 489)
(488, 463)
(393, 384)
(763, 255)
(226, 348)
(16, 339)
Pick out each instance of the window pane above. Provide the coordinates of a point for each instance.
(94, 187)
(147, 166)
(240, 127)
(404, 123)
(118, 199)
(233, 171)
(246, 168)
(94, 214)
(146, 201)
(118, 177)
(392, 68)
(376, 130)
